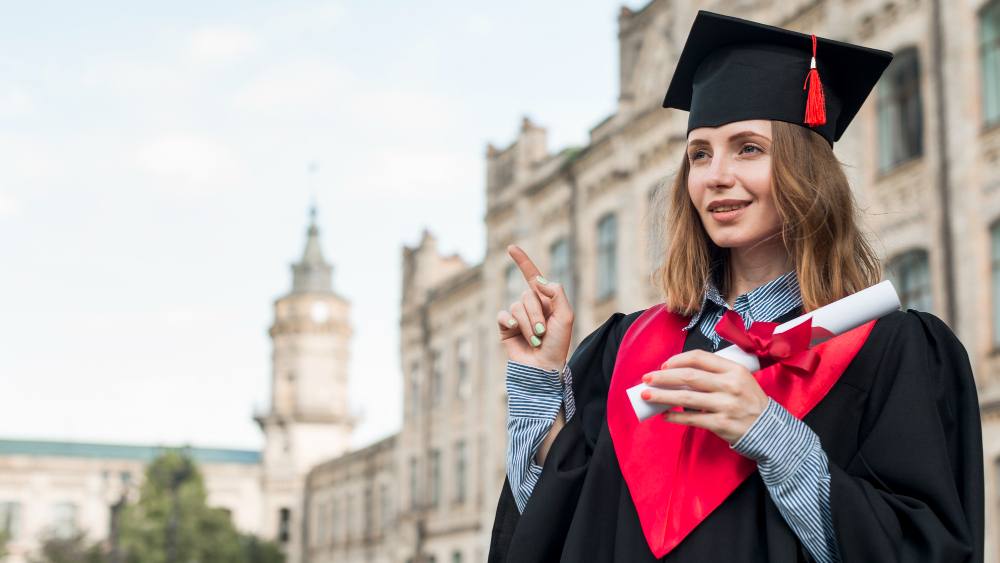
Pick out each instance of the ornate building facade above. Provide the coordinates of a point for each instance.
(923, 156)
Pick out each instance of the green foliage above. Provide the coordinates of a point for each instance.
(259, 551)
(68, 549)
(172, 511)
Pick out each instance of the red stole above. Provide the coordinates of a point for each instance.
(677, 475)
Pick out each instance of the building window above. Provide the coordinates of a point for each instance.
(369, 515)
(10, 519)
(437, 378)
(385, 506)
(64, 519)
(414, 389)
(559, 266)
(460, 464)
(513, 285)
(910, 275)
(900, 111)
(335, 521)
(319, 538)
(995, 280)
(284, 524)
(607, 259)
(414, 481)
(434, 471)
(456, 557)
(463, 365)
(989, 49)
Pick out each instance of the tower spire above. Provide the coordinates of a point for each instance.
(312, 273)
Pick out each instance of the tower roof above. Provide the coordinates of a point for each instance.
(312, 273)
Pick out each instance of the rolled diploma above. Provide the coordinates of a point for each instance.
(838, 317)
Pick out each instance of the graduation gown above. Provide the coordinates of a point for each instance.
(900, 427)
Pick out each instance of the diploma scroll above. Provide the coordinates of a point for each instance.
(827, 321)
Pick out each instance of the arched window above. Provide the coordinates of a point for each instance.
(989, 57)
(910, 274)
(513, 286)
(607, 256)
(559, 266)
(900, 111)
(995, 280)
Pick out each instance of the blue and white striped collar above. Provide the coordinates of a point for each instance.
(763, 303)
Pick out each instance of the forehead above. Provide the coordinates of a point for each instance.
(760, 127)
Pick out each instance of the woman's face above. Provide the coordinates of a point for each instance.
(730, 182)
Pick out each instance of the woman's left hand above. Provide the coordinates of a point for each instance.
(725, 397)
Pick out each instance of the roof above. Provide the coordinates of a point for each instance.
(119, 451)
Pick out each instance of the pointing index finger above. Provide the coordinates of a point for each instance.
(527, 267)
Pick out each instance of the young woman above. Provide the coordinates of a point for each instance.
(871, 453)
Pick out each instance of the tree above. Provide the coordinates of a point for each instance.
(172, 522)
(72, 548)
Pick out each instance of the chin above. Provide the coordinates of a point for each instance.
(728, 241)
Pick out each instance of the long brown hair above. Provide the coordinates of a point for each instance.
(820, 229)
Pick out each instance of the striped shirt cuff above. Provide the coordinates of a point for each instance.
(534, 396)
(533, 392)
(796, 472)
(778, 442)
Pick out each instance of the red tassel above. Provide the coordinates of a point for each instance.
(815, 100)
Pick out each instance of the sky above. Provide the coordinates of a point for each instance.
(158, 160)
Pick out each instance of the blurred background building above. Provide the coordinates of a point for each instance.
(923, 156)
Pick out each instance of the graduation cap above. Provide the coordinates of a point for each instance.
(733, 69)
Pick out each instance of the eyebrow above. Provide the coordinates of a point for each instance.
(731, 138)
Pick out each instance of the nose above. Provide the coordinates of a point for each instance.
(720, 173)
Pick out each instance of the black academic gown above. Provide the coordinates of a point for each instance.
(901, 430)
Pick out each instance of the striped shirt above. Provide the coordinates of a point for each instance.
(534, 397)
(789, 456)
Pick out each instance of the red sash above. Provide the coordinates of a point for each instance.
(677, 475)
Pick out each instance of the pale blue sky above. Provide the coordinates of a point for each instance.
(154, 187)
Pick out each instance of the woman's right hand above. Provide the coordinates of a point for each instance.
(543, 304)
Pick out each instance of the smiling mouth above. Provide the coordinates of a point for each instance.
(724, 208)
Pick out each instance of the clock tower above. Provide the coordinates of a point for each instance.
(308, 420)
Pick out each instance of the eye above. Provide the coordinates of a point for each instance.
(696, 155)
(753, 149)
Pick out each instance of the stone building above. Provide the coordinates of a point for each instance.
(57, 488)
(53, 487)
(923, 156)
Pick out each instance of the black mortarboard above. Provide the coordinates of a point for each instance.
(733, 69)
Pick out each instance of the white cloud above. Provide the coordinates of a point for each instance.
(317, 17)
(478, 25)
(9, 207)
(215, 45)
(417, 172)
(189, 164)
(301, 86)
(15, 103)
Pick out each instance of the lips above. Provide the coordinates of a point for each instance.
(723, 205)
(727, 211)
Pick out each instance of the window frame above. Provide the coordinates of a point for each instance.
(892, 95)
(607, 257)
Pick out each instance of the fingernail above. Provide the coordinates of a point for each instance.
(646, 395)
(646, 379)
(539, 328)
(511, 323)
(535, 341)
(541, 279)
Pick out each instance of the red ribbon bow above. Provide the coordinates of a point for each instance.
(789, 348)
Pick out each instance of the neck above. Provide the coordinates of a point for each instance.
(752, 267)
